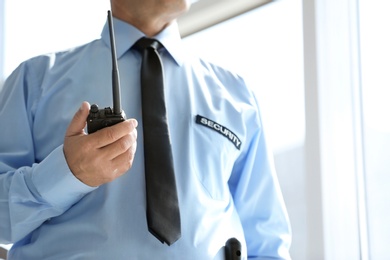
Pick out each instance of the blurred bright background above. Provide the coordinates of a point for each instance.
(320, 71)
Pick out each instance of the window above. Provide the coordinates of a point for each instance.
(347, 93)
(375, 67)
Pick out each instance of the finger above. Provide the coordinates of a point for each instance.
(124, 161)
(121, 146)
(79, 120)
(111, 134)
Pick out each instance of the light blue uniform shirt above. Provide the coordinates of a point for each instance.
(226, 181)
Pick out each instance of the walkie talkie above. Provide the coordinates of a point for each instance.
(100, 118)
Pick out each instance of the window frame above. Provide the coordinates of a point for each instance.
(337, 217)
(207, 13)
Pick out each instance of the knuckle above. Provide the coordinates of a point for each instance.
(128, 160)
(133, 148)
(124, 144)
(131, 155)
(128, 164)
(134, 134)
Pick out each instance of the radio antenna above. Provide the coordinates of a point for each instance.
(116, 95)
(100, 118)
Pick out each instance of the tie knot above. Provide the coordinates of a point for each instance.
(145, 43)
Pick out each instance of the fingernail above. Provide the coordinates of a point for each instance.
(135, 123)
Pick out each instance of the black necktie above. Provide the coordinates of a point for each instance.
(163, 214)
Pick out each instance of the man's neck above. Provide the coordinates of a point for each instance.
(146, 22)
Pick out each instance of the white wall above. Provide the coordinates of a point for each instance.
(42, 26)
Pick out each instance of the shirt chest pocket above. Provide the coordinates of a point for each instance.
(216, 149)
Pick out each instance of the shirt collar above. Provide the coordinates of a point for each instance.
(126, 35)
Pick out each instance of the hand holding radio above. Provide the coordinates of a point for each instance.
(103, 156)
(108, 151)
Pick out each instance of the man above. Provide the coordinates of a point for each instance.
(69, 195)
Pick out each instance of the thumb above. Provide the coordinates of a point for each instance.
(79, 120)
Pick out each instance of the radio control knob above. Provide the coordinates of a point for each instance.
(94, 108)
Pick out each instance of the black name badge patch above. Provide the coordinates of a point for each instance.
(220, 129)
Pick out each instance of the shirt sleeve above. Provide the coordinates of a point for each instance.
(31, 192)
(258, 198)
